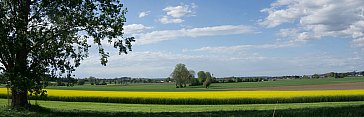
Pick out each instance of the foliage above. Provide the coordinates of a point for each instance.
(3, 79)
(315, 76)
(208, 81)
(194, 82)
(81, 82)
(40, 38)
(201, 76)
(340, 75)
(181, 75)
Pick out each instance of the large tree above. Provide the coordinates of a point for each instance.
(41, 38)
(181, 75)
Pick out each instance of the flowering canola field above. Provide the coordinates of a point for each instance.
(108, 96)
(199, 95)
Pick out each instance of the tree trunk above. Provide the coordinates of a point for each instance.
(19, 99)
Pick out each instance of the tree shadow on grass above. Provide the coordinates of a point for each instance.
(349, 111)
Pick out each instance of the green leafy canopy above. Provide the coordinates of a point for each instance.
(41, 38)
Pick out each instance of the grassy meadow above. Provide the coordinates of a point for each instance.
(322, 109)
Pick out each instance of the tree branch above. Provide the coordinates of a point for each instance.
(36, 14)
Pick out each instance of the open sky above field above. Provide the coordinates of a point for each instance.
(237, 38)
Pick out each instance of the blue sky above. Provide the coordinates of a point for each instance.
(237, 38)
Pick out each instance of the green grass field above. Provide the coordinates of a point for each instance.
(170, 87)
(115, 107)
(57, 108)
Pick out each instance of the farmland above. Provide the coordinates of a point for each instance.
(168, 87)
(279, 58)
(220, 97)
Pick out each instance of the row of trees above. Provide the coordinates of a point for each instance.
(182, 76)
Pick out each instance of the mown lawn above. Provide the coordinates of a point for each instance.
(170, 87)
(57, 108)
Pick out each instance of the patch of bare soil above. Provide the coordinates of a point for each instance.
(339, 86)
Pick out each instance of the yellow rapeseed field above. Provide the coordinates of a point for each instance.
(201, 95)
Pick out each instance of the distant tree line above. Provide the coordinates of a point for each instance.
(240, 79)
(118, 81)
(182, 77)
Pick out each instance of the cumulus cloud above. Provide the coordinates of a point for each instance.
(174, 14)
(180, 10)
(167, 20)
(135, 28)
(317, 18)
(163, 35)
(358, 42)
(143, 14)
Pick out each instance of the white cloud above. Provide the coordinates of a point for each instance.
(358, 42)
(146, 56)
(167, 20)
(237, 48)
(327, 60)
(174, 14)
(317, 18)
(143, 14)
(178, 11)
(157, 36)
(135, 28)
(294, 33)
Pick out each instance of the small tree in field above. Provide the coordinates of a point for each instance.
(180, 75)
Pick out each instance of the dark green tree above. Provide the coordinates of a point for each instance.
(180, 75)
(81, 82)
(315, 76)
(208, 75)
(3, 79)
(49, 37)
(201, 76)
(192, 80)
(208, 80)
(192, 76)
